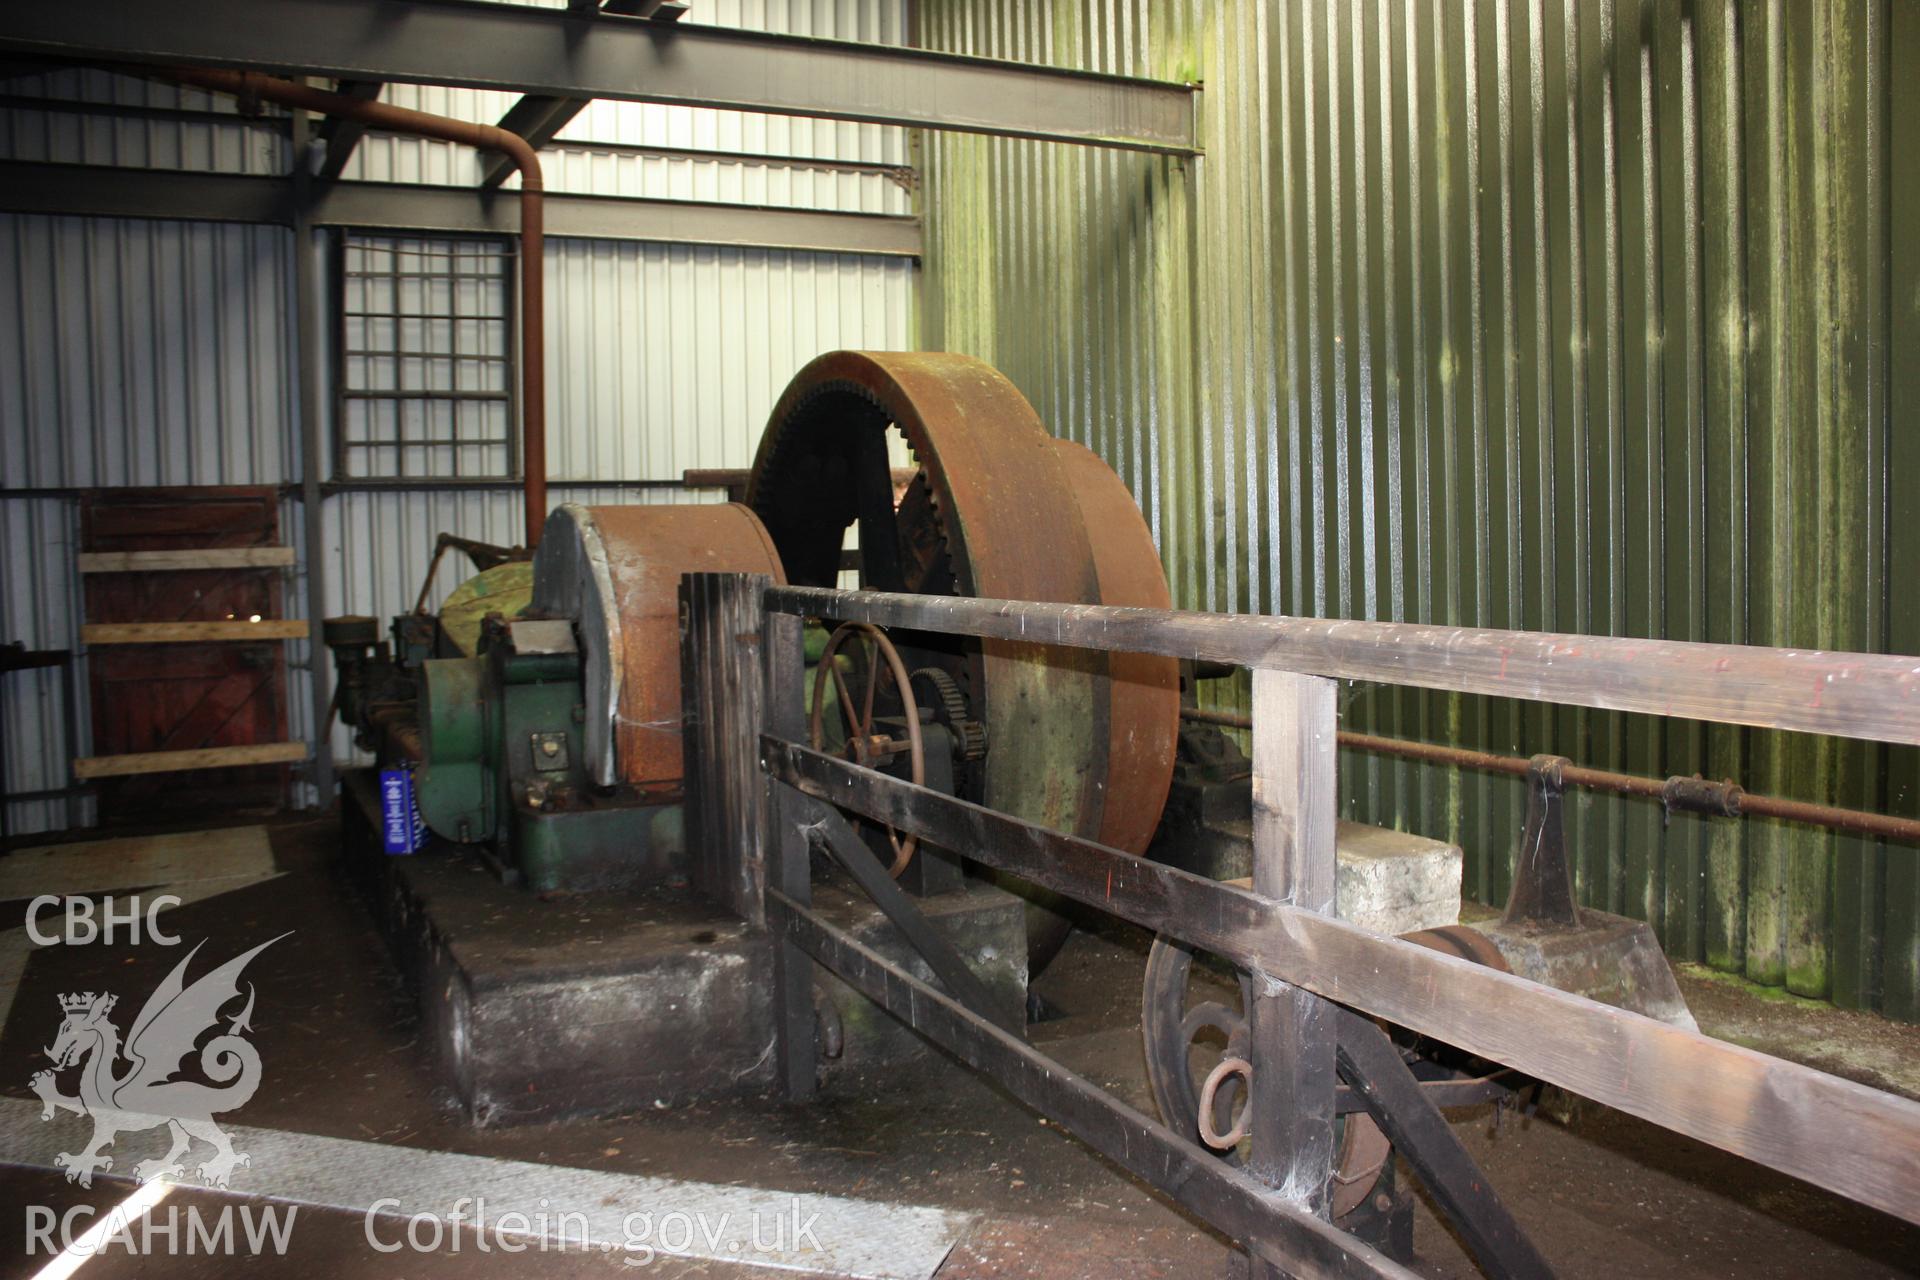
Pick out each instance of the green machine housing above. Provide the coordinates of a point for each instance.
(486, 709)
(503, 766)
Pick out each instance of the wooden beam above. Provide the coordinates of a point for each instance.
(1292, 1030)
(1422, 1137)
(721, 681)
(1281, 1233)
(788, 860)
(186, 558)
(1875, 697)
(192, 632)
(86, 768)
(1855, 1141)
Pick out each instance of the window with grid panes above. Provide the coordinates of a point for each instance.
(425, 341)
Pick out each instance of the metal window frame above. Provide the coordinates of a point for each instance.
(337, 281)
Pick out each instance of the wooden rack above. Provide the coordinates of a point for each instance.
(252, 630)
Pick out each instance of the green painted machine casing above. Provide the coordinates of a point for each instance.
(504, 768)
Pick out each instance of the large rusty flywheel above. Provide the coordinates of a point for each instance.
(1076, 740)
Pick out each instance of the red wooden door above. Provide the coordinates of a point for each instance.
(178, 697)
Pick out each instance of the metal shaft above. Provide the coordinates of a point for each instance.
(1682, 794)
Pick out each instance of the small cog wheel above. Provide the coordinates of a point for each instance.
(949, 705)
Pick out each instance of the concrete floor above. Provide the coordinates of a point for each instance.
(1602, 1194)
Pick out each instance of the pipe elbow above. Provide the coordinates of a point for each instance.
(524, 157)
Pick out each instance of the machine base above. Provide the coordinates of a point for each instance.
(535, 1010)
(1607, 958)
(615, 843)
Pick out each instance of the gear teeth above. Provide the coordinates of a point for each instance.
(782, 446)
(940, 522)
(969, 735)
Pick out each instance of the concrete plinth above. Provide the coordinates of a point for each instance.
(539, 1008)
(1608, 958)
(988, 927)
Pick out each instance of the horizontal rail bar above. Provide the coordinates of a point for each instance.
(1834, 1133)
(1851, 695)
(549, 52)
(108, 191)
(405, 206)
(1286, 1235)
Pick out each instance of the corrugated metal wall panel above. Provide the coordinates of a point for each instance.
(674, 356)
(131, 353)
(144, 353)
(1514, 313)
(67, 137)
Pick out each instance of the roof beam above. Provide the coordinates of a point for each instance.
(341, 134)
(554, 53)
(103, 191)
(539, 118)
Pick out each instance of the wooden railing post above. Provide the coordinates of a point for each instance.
(1293, 1031)
(722, 682)
(784, 844)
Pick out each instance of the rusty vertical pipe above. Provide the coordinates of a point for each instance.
(533, 311)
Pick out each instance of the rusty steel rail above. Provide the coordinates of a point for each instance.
(1679, 794)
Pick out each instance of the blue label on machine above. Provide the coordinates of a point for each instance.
(402, 830)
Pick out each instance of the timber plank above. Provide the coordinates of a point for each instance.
(185, 559)
(88, 767)
(1282, 1232)
(192, 632)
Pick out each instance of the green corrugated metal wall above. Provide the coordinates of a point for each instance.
(1598, 317)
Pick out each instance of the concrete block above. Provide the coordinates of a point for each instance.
(1395, 882)
(1388, 881)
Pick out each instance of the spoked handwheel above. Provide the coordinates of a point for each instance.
(869, 741)
(1198, 1047)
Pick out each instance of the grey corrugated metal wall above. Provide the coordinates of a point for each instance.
(1594, 317)
(142, 352)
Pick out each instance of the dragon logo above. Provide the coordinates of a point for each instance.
(145, 1095)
